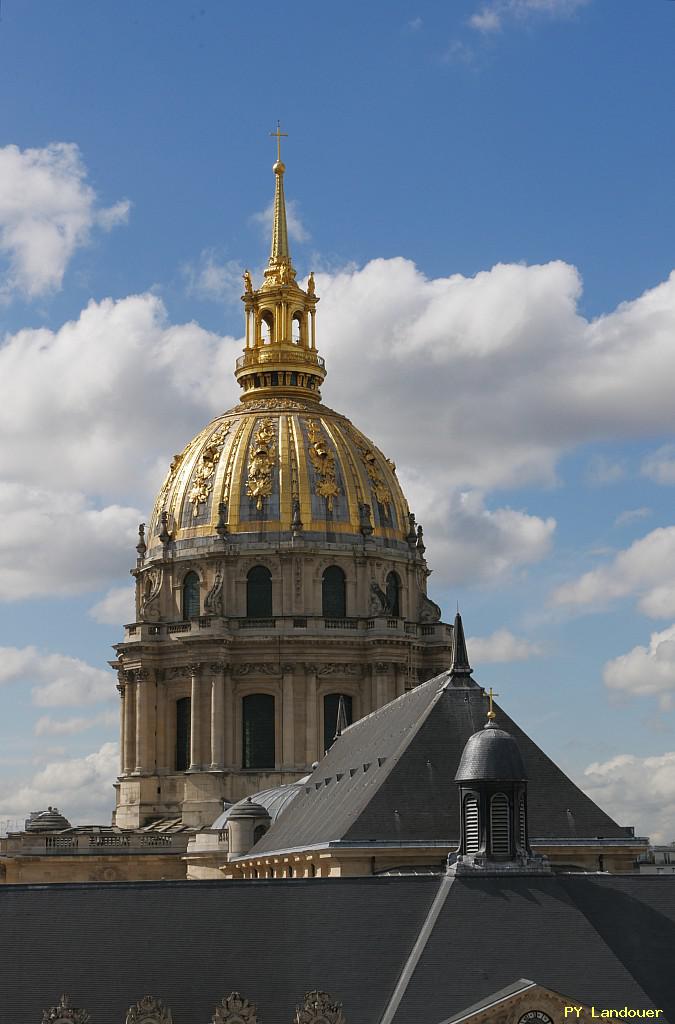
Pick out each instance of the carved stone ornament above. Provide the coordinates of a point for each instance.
(148, 1010)
(203, 479)
(236, 1010)
(323, 461)
(261, 462)
(151, 585)
(64, 1013)
(213, 603)
(379, 605)
(339, 668)
(265, 669)
(429, 611)
(273, 405)
(319, 1008)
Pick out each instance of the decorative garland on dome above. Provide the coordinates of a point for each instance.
(323, 462)
(261, 463)
(203, 478)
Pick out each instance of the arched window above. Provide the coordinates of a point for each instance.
(183, 734)
(266, 327)
(297, 328)
(393, 586)
(191, 596)
(471, 825)
(330, 710)
(259, 833)
(259, 593)
(258, 731)
(500, 825)
(333, 593)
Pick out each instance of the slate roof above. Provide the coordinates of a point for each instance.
(390, 778)
(605, 940)
(491, 755)
(595, 938)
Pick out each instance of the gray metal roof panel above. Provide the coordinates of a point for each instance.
(493, 930)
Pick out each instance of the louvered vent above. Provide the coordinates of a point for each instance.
(471, 825)
(499, 825)
(522, 832)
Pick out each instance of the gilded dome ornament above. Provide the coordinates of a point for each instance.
(323, 461)
(65, 1013)
(261, 463)
(203, 480)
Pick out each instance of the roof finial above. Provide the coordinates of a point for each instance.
(460, 658)
(279, 252)
(491, 714)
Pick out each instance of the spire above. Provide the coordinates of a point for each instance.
(460, 658)
(280, 357)
(342, 722)
(279, 252)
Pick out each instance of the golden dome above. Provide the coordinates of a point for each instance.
(275, 469)
(280, 465)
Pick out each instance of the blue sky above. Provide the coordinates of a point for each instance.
(484, 191)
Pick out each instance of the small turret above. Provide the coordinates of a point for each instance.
(492, 799)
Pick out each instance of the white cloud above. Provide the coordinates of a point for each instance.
(54, 542)
(47, 211)
(646, 671)
(660, 465)
(645, 569)
(296, 229)
(211, 278)
(473, 544)
(81, 787)
(637, 791)
(493, 15)
(116, 608)
(632, 515)
(48, 726)
(71, 453)
(57, 680)
(501, 646)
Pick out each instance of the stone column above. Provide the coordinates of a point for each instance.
(229, 746)
(287, 719)
(129, 725)
(143, 684)
(162, 737)
(217, 718)
(120, 690)
(195, 718)
(311, 736)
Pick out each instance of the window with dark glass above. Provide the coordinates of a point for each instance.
(330, 710)
(393, 586)
(259, 833)
(258, 731)
(191, 596)
(333, 593)
(259, 593)
(182, 734)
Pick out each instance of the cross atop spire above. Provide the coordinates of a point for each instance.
(279, 135)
